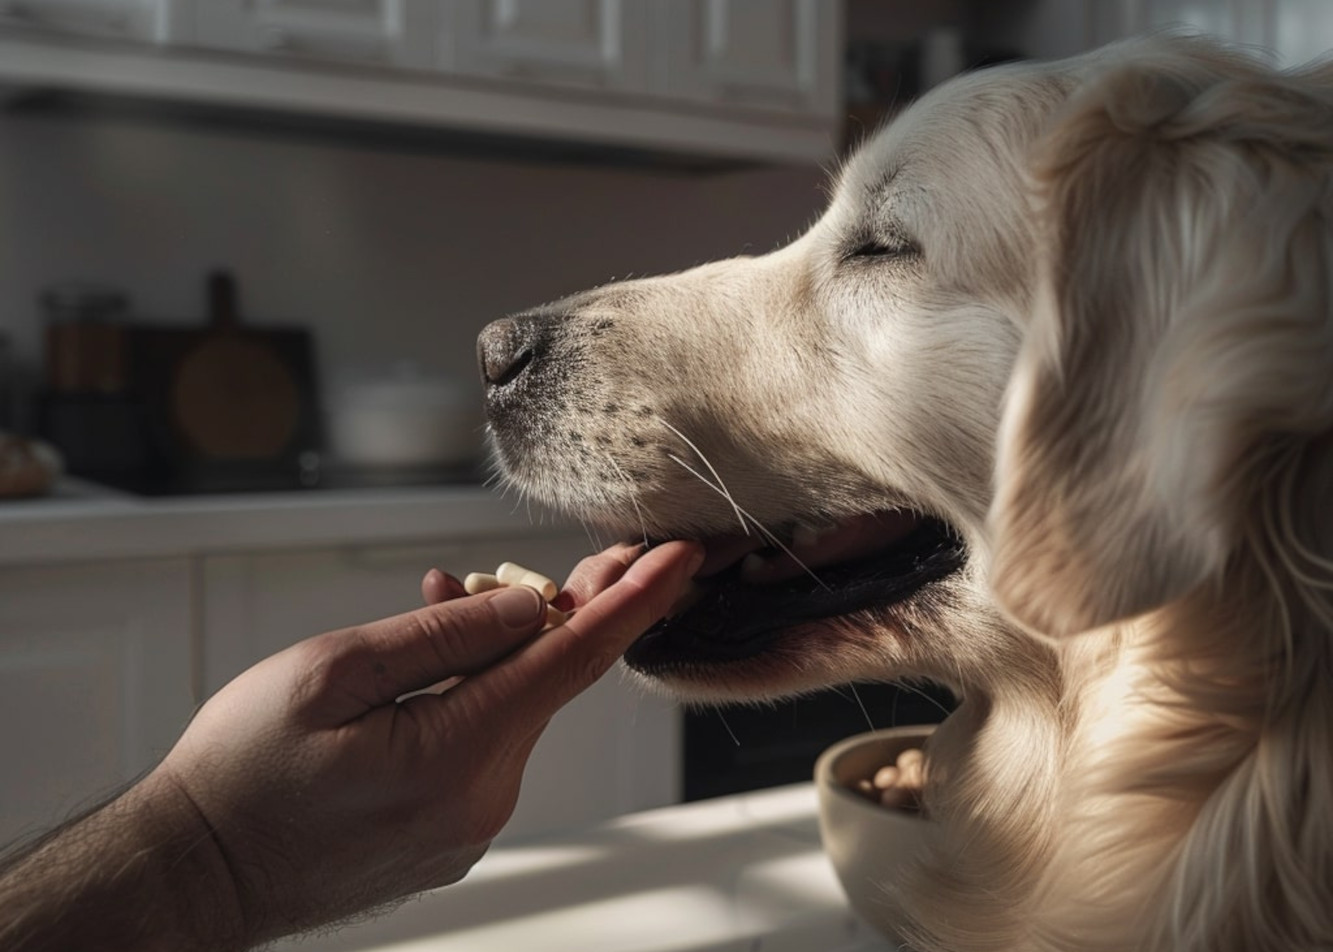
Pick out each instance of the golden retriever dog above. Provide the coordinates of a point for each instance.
(1040, 409)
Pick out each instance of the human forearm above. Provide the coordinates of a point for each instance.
(140, 873)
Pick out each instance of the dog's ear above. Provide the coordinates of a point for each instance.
(1181, 342)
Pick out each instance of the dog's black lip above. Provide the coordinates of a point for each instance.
(734, 621)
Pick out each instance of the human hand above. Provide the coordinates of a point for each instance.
(327, 795)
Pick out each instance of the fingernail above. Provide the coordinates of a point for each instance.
(517, 607)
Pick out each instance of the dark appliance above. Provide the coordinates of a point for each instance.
(164, 409)
(228, 407)
(87, 408)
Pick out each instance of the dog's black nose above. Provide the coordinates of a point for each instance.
(504, 350)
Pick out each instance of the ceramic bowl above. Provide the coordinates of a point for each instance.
(868, 844)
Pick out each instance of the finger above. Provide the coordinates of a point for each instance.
(595, 574)
(438, 587)
(528, 687)
(372, 665)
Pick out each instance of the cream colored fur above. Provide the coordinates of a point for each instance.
(1104, 354)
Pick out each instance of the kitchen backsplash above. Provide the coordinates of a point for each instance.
(383, 255)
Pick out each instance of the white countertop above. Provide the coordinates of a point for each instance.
(744, 873)
(83, 521)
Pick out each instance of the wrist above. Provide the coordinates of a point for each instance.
(187, 866)
(142, 872)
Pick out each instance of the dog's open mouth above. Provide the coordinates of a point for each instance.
(753, 589)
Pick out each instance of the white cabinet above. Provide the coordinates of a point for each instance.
(1242, 22)
(609, 752)
(151, 21)
(1296, 31)
(600, 44)
(95, 681)
(702, 80)
(1302, 30)
(775, 54)
(393, 33)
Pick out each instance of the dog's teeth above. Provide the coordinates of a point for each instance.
(752, 566)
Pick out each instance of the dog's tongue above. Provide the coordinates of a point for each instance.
(809, 549)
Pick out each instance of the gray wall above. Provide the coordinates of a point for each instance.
(387, 255)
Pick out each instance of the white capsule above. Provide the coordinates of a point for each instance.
(555, 617)
(511, 573)
(478, 582)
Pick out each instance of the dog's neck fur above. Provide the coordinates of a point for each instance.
(1199, 794)
(1175, 777)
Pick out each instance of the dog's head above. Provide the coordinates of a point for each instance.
(823, 416)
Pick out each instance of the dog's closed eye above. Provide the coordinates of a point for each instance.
(892, 244)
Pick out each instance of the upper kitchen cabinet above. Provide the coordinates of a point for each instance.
(698, 83)
(396, 33)
(598, 44)
(771, 54)
(1296, 31)
(146, 21)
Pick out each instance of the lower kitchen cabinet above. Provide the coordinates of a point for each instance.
(95, 665)
(611, 751)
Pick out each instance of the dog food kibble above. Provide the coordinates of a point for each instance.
(898, 785)
(510, 573)
(886, 777)
(911, 768)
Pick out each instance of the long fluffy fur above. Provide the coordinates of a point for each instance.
(1163, 496)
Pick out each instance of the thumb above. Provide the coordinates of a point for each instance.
(371, 665)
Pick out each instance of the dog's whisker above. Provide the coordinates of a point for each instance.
(912, 689)
(861, 705)
(772, 538)
(633, 497)
(734, 739)
(726, 493)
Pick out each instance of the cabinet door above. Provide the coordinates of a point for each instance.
(588, 43)
(613, 750)
(95, 679)
(396, 33)
(140, 20)
(771, 54)
(1241, 21)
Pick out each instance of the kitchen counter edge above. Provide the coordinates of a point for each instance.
(84, 522)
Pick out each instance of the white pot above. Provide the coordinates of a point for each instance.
(405, 419)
